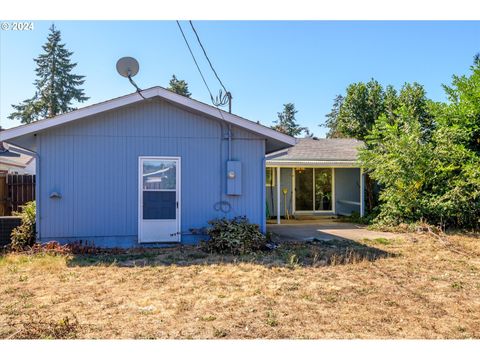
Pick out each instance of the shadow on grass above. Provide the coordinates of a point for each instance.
(337, 251)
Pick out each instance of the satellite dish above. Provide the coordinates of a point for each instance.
(127, 67)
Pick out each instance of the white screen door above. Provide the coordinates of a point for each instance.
(159, 199)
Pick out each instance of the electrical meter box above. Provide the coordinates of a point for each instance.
(234, 178)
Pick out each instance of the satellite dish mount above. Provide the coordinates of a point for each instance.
(128, 67)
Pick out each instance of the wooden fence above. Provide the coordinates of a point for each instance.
(15, 191)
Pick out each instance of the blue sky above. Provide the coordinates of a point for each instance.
(264, 64)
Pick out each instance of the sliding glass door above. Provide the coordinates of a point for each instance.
(313, 189)
(323, 189)
(304, 189)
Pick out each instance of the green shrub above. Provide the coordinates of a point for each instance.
(24, 235)
(236, 236)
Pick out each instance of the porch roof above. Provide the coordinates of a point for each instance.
(318, 152)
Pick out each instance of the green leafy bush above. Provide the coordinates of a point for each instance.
(24, 236)
(236, 236)
(428, 162)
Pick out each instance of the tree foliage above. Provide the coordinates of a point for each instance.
(287, 123)
(426, 155)
(56, 85)
(354, 114)
(179, 86)
(332, 119)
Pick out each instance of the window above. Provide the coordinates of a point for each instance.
(313, 189)
(270, 176)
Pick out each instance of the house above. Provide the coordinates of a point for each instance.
(145, 169)
(315, 177)
(16, 162)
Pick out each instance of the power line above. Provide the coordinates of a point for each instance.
(195, 61)
(221, 99)
(208, 59)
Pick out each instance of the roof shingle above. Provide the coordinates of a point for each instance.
(320, 150)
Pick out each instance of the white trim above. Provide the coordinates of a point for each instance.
(134, 98)
(313, 163)
(178, 184)
(334, 199)
(313, 211)
(278, 196)
(362, 194)
(294, 194)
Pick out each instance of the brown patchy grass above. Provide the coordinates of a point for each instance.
(411, 287)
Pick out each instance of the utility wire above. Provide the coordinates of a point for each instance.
(208, 59)
(195, 61)
(221, 99)
(215, 103)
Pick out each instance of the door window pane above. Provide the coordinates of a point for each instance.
(304, 189)
(159, 205)
(323, 189)
(159, 175)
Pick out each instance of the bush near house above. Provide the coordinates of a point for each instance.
(24, 236)
(424, 155)
(430, 170)
(236, 236)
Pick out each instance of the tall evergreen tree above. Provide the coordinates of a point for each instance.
(56, 86)
(332, 118)
(179, 86)
(286, 122)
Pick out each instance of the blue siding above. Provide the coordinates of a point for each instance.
(93, 164)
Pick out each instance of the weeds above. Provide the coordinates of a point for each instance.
(65, 328)
(271, 319)
(219, 333)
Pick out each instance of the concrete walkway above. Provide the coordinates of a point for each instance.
(304, 230)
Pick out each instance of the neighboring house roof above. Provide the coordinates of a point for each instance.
(21, 161)
(313, 151)
(275, 139)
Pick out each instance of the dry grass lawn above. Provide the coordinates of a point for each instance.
(412, 287)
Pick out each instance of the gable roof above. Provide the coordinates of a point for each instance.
(275, 140)
(319, 151)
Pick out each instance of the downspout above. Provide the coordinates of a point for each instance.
(229, 142)
(223, 205)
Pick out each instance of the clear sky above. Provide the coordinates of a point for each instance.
(264, 64)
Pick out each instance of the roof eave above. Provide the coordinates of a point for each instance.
(148, 94)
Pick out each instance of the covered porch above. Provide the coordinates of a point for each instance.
(314, 191)
(315, 178)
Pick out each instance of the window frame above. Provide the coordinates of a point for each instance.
(273, 172)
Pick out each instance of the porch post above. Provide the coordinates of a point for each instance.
(278, 194)
(362, 194)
